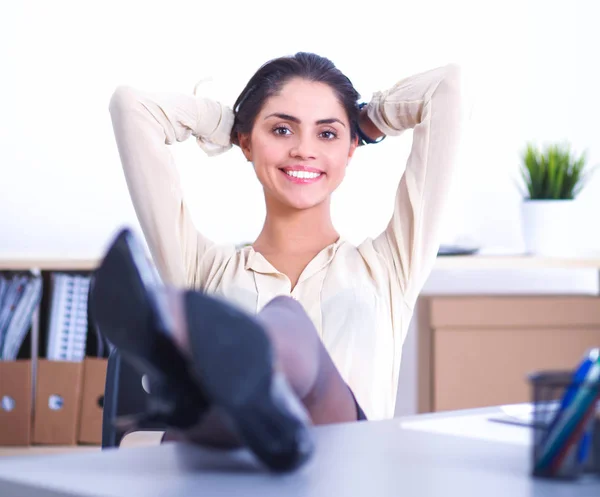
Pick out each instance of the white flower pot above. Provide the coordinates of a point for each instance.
(549, 227)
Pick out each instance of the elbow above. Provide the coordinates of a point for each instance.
(123, 98)
(452, 80)
(450, 87)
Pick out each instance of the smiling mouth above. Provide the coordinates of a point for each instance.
(302, 177)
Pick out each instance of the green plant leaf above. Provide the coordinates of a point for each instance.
(554, 173)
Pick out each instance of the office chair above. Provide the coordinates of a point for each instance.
(124, 395)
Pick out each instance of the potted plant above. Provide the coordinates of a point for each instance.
(553, 178)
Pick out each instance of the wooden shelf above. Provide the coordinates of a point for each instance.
(39, 450)
(25, 263)
(516, 262)
(131, 440)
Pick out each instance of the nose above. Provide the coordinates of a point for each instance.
(303, 147)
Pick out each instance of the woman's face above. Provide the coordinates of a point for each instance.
(300, 144)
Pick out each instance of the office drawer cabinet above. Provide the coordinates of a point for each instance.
(478, 351)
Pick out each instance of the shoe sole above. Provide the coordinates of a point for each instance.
(233, 359)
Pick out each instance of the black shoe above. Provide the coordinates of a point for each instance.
(133, 316)
(233, 360)
(231, 366)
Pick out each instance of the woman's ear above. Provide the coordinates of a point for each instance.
(353, 145)
(245, 145)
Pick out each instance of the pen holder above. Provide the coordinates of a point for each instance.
(565, 425)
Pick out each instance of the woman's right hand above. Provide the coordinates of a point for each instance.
(367, 126)
(218, 140)
(234, 139)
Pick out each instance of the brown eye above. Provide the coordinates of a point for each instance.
(329, 135)
(281, 131)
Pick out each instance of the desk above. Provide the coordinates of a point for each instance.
(377, 458)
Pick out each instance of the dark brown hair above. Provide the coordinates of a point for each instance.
(273, 75)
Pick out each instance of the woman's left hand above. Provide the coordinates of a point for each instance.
(367, 126)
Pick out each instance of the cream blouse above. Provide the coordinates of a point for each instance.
(360, 298)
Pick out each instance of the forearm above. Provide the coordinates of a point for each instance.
(430, 103)
(408, 102)
(144, 125)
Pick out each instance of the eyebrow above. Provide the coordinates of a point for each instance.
(287, 117)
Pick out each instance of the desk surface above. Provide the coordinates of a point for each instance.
(381, 459)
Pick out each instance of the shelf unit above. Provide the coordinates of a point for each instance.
(43, 267)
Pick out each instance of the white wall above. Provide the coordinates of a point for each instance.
(531, 67)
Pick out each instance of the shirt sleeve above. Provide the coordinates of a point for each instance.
(430, 104)
(145, 125)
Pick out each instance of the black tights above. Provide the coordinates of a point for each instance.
(300, 355)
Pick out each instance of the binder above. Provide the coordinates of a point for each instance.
(70, 381)
(20, 294)
(14, 288)
(21, 318)
(57, 402)
(15, 402)
(55, 399)
(92, 400)
(68, 324)
(94, 381)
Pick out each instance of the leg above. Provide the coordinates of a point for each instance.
(299, 355)
(229, 368)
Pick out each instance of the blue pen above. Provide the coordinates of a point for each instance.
(585, 444)
(582, 370)
(574, 414)
(569, 416)
(586, 440)
(560, 451)
(576, 455)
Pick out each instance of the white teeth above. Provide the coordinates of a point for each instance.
(303, 174)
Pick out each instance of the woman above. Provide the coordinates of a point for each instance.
(334, 315)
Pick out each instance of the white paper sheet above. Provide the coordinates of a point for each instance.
(473, 426)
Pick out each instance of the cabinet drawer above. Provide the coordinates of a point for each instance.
(477, 367)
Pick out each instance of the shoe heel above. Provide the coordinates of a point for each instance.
(128, 310)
